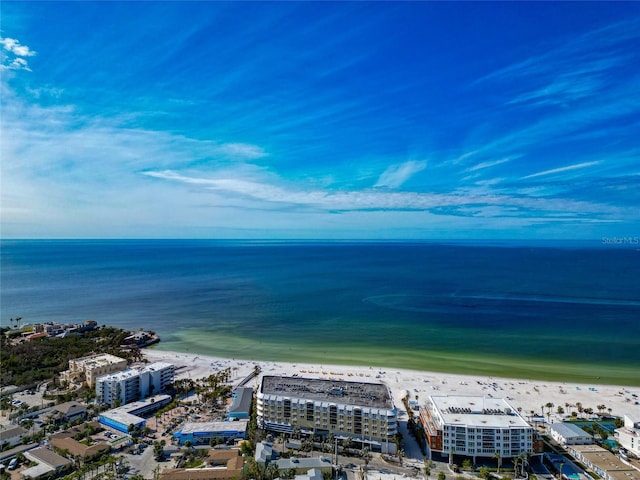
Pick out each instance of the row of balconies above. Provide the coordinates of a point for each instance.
(303, 408)
(324, 421)
(348, 427)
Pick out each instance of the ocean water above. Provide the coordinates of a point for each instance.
(550, 311)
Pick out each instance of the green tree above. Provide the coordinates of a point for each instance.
(158, 449)
(272, 471)
(442, 476)
(485, 473)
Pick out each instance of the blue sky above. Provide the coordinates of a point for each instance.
(320, 120)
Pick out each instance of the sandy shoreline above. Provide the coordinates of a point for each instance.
(524, 395)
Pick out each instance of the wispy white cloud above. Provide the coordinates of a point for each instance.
(560, 91)
(12, 45)
(395, 175)
(576, 56)
(12, 54)
(376, 199)
(488, 164)
(567, 168)
(242, 151)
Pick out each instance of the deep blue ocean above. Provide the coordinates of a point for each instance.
(401, 303)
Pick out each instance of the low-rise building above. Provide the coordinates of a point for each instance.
(304, 464)
(11, 436)
(67, 412)
(264, 452)
(65, 442)
(202, 433)
(241, 401)
(603, 462)
(474, 427)
(222, 464)
(132, 414)
(629, 435)
(361, 412)
(48, 462)
(569, 434)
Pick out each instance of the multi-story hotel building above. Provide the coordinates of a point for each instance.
(477, 427)
(362, 412)
(629, 435)
(134, 384)
(87, 369)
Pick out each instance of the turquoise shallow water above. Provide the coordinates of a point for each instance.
(562, 309)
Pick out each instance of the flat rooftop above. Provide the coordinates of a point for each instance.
(135, 372)
(569, 430)
(478, 411)
(99, 359)
(212, 427)
(374, 395)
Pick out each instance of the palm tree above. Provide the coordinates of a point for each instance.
(427, 466)
(272, 471)
(498, 457)
(516, 462)
(366, 456)
(400, 454)
(549, 406)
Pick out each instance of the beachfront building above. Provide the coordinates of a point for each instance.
(474, 427)
(133, 384)
(569, 434)
(88, 369)
(361, 412)
(241, 401)
(133, 414)
(629, 435)
(203, 433)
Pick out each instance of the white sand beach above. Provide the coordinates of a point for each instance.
(524, 395)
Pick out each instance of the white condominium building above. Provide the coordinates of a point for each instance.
(124, 387)
(629, 435)
(361, 412)
(477, 427)
(87, 369)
